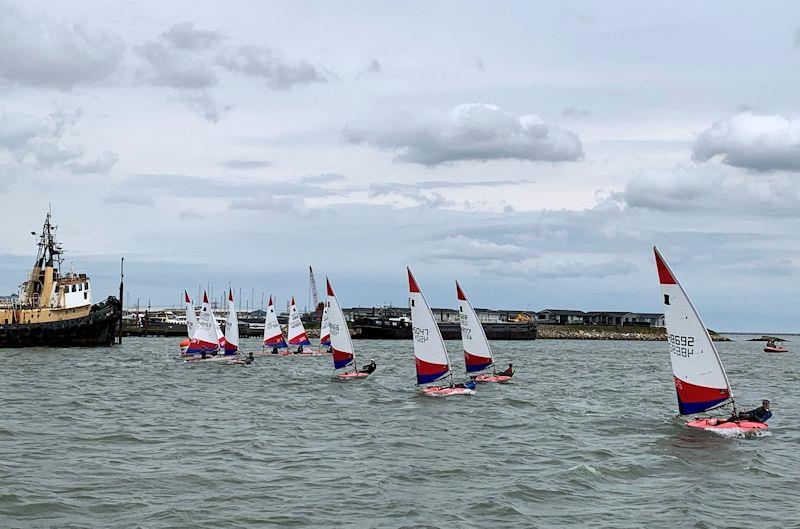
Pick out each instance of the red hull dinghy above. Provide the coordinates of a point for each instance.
(701, 383)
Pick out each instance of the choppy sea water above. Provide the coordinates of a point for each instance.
(586, 436)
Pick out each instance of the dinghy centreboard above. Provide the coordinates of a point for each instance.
(701, 383)
(430, 354)
(477, 351)
(344, 355)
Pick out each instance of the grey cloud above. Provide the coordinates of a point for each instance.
(175, 68)
(203, 104)
(323, 178)
(373, 68)
(189, 214)
(752, 141)
(796, 40)
(465, 248)
(267, 64)
(572, 112)
(42, 143)
(426, 199)
(245, 164)
(474, 132)
(184, 36)
(128, 199)
(100, 165)
(38, 51)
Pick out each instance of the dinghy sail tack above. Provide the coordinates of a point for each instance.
(701, 383)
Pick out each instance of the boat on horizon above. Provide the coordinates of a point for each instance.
(54, 307)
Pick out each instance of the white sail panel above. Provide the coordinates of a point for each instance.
(231, 327)
(191, 315)
(700, 379)
(477, 352)
(324, 328)
(341, 342)
(296, 332)
(206, 335)
(273, 336)
(430, 354)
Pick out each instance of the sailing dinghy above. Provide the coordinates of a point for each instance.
(701, 383)
(273, 336)
(430, 354)
(296, 332)
(231, 327)
(325, 330)
(344, 355)
(191, 323)
(207, 336)
(477, 351)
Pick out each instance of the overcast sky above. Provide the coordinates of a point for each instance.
(535, 151)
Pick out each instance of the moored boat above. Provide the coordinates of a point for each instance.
(54, 308)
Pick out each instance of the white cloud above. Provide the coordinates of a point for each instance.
(474, 132)
(752, 141)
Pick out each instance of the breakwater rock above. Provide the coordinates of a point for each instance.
(610, 332)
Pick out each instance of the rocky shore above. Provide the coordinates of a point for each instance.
(609, 332)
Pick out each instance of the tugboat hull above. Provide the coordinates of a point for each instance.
(97, 329)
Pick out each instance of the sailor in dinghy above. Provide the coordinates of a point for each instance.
(477, 351)
(191, 323)
(430, 354)
(701, 383)
(344, 355)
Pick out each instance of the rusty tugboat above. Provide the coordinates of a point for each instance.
(54, 309)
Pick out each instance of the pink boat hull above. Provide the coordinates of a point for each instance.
(715, 424)
(436, 391)
(502, 379)
(776, 350)
(353, 375)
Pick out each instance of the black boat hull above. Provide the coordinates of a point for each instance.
(97, 329)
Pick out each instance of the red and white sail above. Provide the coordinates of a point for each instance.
(191, 315)
(477, 352)
(325, 328)
(231, 327)
(343, 353)
(273, 336)
(296, 332)
(207, 334)
(430, 354)
(700, 380)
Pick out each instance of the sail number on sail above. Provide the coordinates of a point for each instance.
(334, 328)
(421, 335)
(681, 345)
